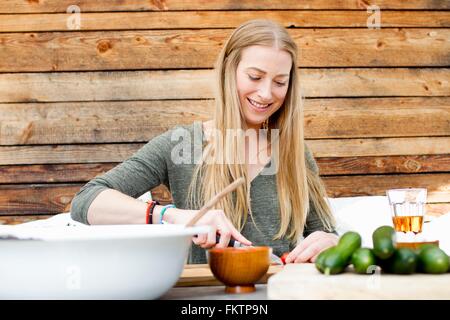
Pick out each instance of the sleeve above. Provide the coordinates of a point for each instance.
(310, 161)
(313, 223)
(144, 170)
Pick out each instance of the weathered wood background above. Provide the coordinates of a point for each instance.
(76, 102)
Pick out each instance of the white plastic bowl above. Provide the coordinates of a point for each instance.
(95, 262)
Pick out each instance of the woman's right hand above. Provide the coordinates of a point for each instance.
(219, 225)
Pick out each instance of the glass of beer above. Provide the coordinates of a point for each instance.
(407, 209)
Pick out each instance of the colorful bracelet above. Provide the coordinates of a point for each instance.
(163, 210)
(149, 212)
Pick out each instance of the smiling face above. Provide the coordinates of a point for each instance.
(262, 78)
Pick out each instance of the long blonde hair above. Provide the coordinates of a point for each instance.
(297, 185)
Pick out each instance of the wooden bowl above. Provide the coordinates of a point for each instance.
(239, 268)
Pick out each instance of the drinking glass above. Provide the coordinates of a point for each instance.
(407, 208)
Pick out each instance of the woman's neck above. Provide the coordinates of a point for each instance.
(257, 146)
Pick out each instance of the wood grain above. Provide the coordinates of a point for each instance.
(36, 199)
(83, 172)
(376, 185)
(11, 220)
(437, 185)
(219, 19)
(373, 82)
(139, 121)
(49, 199)
(304, 282)
(67, 153)
(33, 199)
(52, 173)
(162, 194)
(106, 86)
(437, 209)
(352, 118)
(197, 84)
(74, 103)
(380, 147)
(179, 49)
(239, 268)
(33, 6)
(95, 153)
(383, 164)
(95, 122)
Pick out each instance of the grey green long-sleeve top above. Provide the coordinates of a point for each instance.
(153, 165)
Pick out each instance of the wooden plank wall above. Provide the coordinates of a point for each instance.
(75, 102)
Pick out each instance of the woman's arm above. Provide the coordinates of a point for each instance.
(113, 207)
(111, 193)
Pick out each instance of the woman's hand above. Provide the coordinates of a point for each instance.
(219, 225)
(311, 246)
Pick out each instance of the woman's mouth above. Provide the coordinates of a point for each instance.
(258, 106)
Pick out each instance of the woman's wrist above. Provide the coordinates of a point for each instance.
(170, 215)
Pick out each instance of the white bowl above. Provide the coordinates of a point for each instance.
(95, 262)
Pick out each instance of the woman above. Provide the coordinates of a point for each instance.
(285, 207)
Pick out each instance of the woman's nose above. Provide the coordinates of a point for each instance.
(265, 92)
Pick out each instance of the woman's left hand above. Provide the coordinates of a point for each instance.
(311, 247)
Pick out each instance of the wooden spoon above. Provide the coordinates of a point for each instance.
(211, 203)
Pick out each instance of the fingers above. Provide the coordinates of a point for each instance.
(199, 239)
(311, 246)
(226, 233)
(307, 254)
(239, 237)
(224, 240)
(298, 250)
(220, 224)
(205, 240)
(210, 239)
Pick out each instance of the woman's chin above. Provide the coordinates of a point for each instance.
(255, 124)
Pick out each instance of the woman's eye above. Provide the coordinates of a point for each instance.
(254, 78)
(280, 84)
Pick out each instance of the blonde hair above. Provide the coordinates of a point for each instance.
(297, 185)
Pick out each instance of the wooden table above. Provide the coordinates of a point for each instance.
(198, 283)
(213, 293)
(304, 282)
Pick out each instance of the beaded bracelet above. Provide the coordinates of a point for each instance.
(163, 210)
